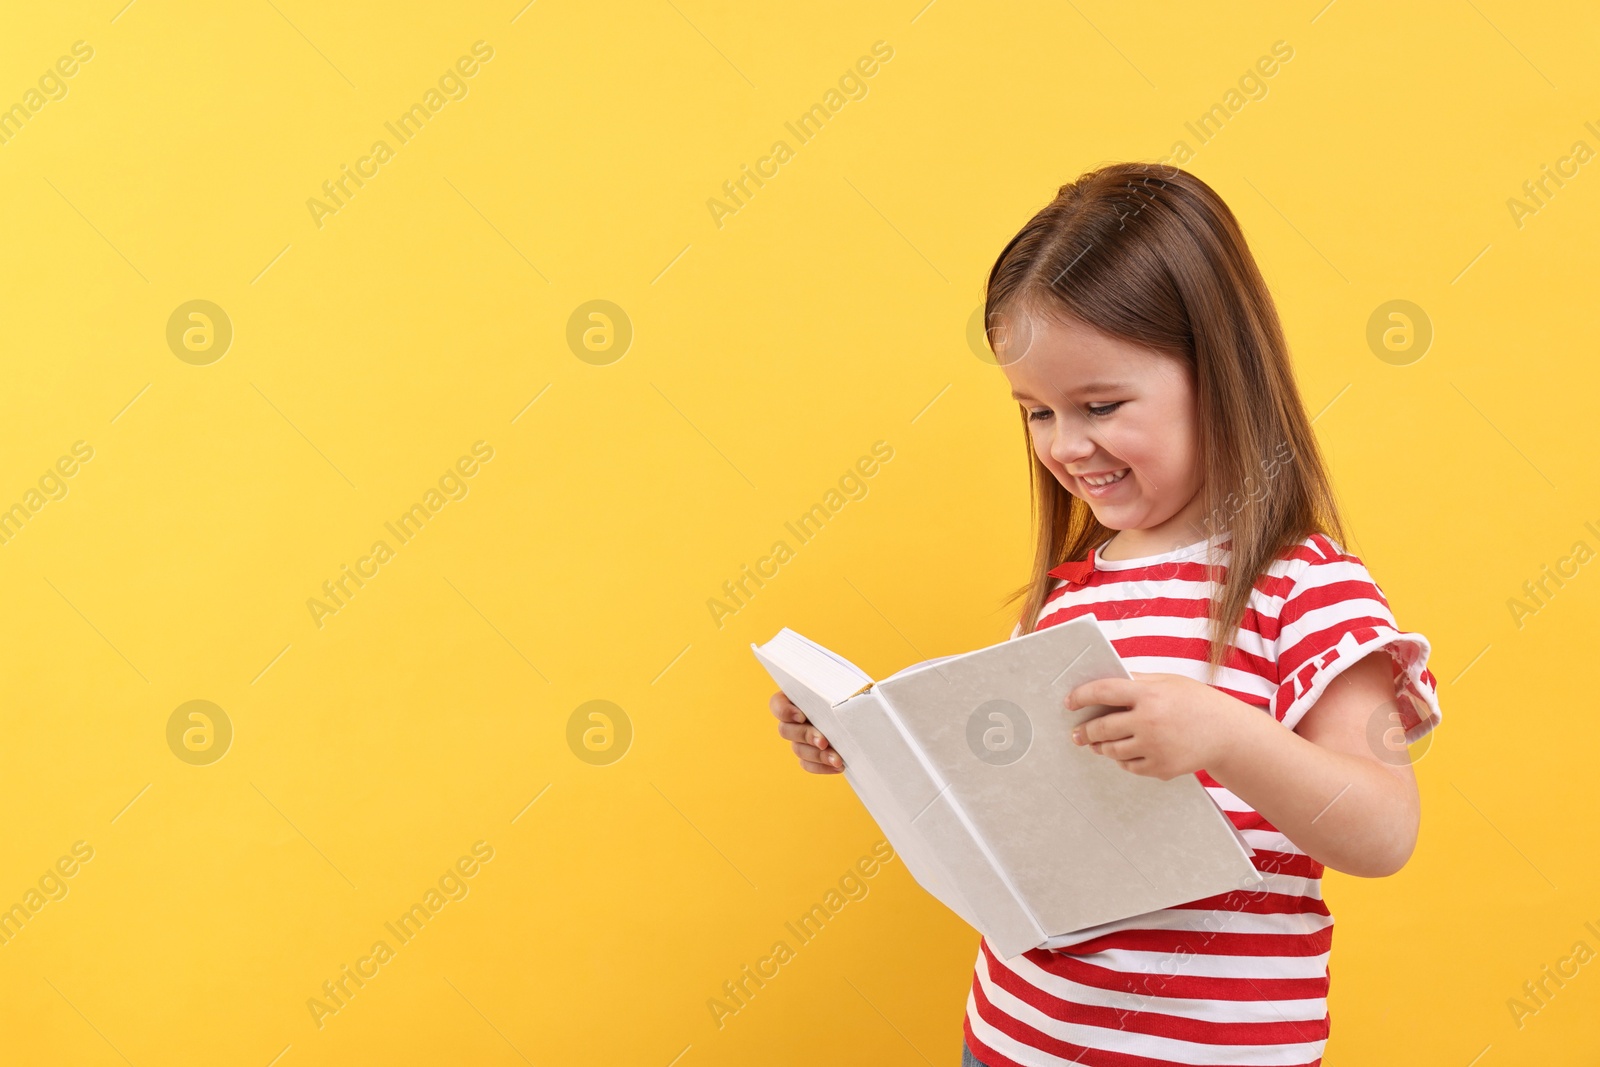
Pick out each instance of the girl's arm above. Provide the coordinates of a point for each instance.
(1322, 785)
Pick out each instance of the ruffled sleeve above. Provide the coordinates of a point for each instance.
(1334, 616)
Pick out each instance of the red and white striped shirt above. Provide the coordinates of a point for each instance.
(1235, 979)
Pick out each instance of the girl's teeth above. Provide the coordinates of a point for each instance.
(1108, 479)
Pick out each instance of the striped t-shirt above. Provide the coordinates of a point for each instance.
(1242, 977)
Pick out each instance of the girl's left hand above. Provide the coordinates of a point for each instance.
(1173, 725)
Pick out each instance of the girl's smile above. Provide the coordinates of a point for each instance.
(1098, 485)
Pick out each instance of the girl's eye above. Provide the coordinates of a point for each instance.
(1096, 410)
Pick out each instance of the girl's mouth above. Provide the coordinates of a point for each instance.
(1108, 482)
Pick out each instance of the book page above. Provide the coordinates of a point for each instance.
(828, 673)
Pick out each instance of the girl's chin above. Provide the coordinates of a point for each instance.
(1113, 516)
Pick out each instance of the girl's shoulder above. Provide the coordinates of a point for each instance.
(1314, 560)
(1314, 548)
(1329, 613)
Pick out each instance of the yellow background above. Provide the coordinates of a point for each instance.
(768, 355)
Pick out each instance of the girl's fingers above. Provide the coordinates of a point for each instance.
(1121, 751)
(785, 709)
(1117, 692)
(1112, 726)
(813, 750)
(802, 731)
(813, 758)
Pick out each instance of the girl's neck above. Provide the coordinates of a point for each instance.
(1184, 528)
(1121, 547)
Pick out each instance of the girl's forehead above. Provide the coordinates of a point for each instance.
(1025, 329)
(1030, 346)
(1040, 357)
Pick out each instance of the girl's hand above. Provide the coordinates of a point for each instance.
(1173, 725)
(806, 740)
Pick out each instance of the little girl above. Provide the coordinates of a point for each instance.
(1181, 500)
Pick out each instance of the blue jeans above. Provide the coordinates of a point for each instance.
(968, 1059)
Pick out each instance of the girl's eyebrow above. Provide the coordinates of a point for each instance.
(1091, 387)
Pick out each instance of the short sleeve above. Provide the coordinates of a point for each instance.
(1334, 616)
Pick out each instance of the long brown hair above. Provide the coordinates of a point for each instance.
(1150, 254)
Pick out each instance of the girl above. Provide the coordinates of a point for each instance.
(1181, 500)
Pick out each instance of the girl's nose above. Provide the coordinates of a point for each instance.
(1071, 444)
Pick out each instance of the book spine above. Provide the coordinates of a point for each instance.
(1022, 922)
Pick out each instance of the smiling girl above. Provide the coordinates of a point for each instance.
(1181, 500)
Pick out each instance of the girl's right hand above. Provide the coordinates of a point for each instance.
(806, 740)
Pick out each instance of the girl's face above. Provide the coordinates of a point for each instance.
(1100, 406)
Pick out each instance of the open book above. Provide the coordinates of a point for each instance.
(967, 765)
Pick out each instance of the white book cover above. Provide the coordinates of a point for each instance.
(967, 765)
